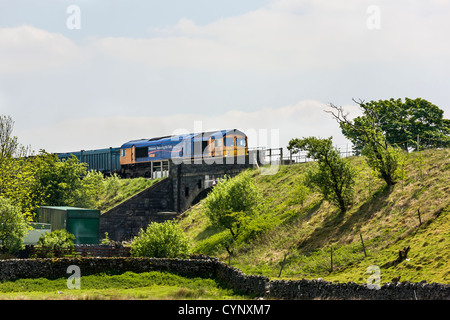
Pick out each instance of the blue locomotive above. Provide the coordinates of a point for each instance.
(142, 153)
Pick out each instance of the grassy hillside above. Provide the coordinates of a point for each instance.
(304, 233)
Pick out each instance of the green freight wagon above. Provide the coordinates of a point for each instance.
(83, 223)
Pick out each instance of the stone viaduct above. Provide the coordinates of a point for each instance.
(187, 183)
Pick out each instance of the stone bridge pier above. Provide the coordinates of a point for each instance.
(188, 182)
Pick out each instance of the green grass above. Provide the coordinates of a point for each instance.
(127, 286)
(306, 230)
(117, 190)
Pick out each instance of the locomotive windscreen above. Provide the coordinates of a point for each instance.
(142, 152)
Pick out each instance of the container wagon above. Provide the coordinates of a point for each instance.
(106, 160)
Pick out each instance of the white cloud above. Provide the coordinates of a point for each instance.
(285, 36)
(26, 49)
(306, 118)
(292, 36)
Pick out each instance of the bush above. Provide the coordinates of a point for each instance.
(332, 175)
(13, 226)
(56, 243)
(161, 240)
(232, 203)
(299, 193)
(386, 161)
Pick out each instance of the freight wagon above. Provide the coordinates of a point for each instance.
(106, 161)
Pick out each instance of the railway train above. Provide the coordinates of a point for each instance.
(149, 157)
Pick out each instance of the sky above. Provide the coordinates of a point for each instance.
(88, 74)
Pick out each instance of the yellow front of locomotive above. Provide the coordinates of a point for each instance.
(235, 145)
(241, 145)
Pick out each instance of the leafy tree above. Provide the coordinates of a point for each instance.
(16, 170)
(231, 205)
(161, 240)
(401, 122)
(17, 183)
(334, 176)
(231, 202)
(91, 187)
(366, 133)
(66, 183)
(13, 226)
(59, 181)
(30, 181)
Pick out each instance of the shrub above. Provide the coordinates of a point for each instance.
(299, 193)
(57, 243)
(13, 226)
(161, 240)
(386, 161)
(332, 175)
(232, 202)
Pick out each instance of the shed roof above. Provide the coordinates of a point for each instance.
(65, 208)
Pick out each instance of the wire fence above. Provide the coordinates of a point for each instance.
(284, 156)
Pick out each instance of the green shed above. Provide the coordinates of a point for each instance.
(83, 223)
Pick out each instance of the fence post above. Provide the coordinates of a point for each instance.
(364, 248)
(331, 262)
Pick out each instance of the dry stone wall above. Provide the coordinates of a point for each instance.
(258, 286)
(319, 289)
(248, 284)
(57, 268)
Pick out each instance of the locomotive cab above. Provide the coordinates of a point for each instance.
(232, 143)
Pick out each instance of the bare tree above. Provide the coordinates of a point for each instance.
(9, 145)
(366, 131)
